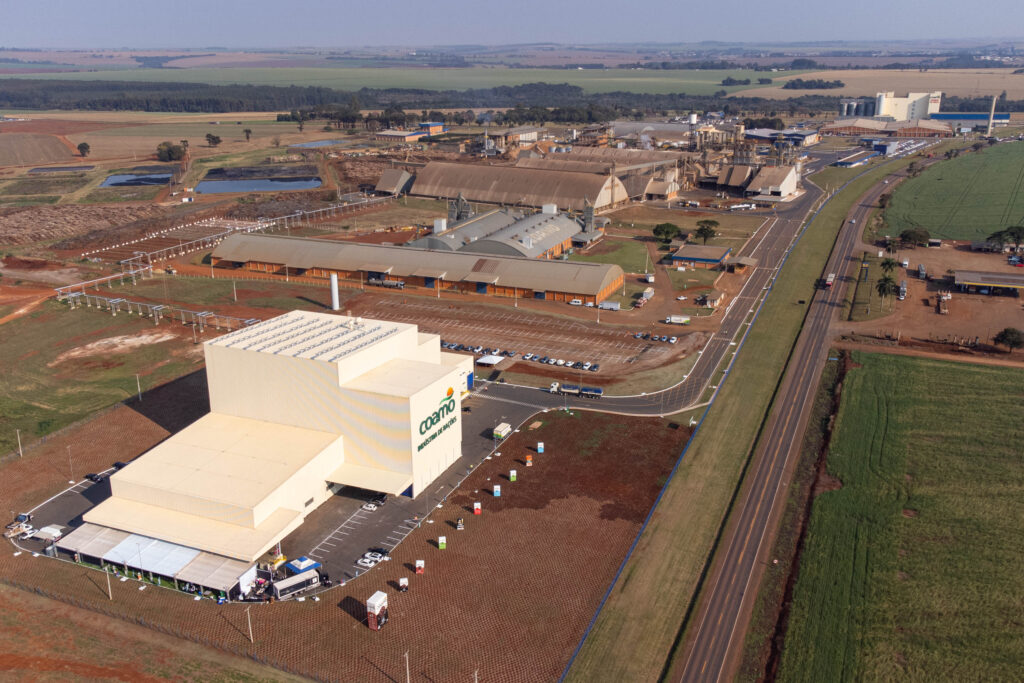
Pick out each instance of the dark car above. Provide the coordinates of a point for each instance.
(380, 499)
(544, 359)
(94, 477)
(595, 367)
(120, 465)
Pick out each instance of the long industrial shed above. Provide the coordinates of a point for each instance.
(505, 276)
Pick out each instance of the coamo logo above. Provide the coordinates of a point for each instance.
(446, 407)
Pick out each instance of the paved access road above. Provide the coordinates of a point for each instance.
(769, 246)
(709, 656)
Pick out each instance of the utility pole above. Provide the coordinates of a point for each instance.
(71, 468)
(249, 619)
(21, 453)
(138, 386)
(234, 292)
(406, 666)
(110, 593)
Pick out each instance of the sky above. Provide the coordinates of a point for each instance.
(352, 23)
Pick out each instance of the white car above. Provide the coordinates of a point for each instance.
(369, 507)
(527, 356)
(672, 340)
(680, 298)
(559, 362)
(586, 366)
(29, 533)
(552, 361)
(373, 556)
(366, 563)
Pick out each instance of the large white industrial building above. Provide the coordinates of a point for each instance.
(300, 405)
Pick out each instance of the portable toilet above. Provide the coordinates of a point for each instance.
(377, 610)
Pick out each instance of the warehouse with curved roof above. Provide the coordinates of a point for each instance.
(513, 186)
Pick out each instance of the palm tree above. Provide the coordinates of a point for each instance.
(888, 265)
(886, 287)
(706, 229)
(248, 134)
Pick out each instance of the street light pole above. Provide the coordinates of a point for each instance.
(71, 467)
(406, 666)
(110, 593)
(249, 619)
(21, 454)
(138, 386)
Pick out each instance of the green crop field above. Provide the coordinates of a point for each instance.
(967, 198)
(911, 571)
(591, 80)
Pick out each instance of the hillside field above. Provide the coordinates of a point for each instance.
(911, 567)
(967, 198)
(692, 82)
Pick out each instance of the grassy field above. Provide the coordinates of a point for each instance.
(41, 391)
(43, 185)
(591, 80)
(634, 634)
(967, 198)
(862, 301)
(630, 255)
(912, 569)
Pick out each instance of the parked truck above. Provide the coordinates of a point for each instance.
(648, 293)
(609, 305)
(677, 320)
(903, 290)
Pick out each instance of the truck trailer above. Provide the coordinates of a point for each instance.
(677, 320)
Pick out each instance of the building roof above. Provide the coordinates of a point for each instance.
(700, 252)
(555, 162)
(983, 279)
(149, 554)
(401, 133)
(394, 180)
(741, 261)
(714, 295)
(517, 186)
(302, 334)
(887, 126)
(518, 130)
(537, 274)
(734, 175)
(770, 178)
(623, 157)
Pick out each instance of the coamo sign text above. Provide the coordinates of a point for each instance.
(446, 408)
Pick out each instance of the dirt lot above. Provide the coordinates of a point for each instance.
(24, 225)
(970, 315)
(46, 640)
(541, 555)
(20, 149)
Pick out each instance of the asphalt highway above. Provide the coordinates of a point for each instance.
(710, 654)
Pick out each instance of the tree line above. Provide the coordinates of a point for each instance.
(531, 101)
(812, 84)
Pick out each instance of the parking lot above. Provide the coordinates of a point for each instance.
(610, 346)
(339, 532)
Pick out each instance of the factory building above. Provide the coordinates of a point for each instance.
(438, 271)
(798, 137)
(773, 182)
(916, 105)
(511, 186)
(505, 232)
(398, 136)
(635, 168)
(300, 405)
(917, 128)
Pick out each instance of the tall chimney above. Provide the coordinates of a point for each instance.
(335, 304)
(991, 116)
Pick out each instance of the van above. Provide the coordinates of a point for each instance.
(576, 302)
(905, 263)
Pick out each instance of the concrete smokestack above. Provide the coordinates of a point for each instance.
(991, 117)
(335, 304)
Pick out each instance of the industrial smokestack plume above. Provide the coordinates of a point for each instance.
(335, 304)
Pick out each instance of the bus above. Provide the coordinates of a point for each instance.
(295, 584)
(830, 280)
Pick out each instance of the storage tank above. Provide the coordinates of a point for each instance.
(693, 119)
(869, 108)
